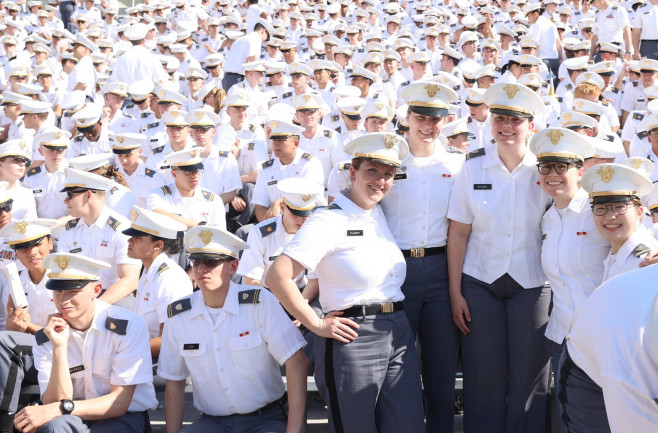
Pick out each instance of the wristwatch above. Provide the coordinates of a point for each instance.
(66, 406)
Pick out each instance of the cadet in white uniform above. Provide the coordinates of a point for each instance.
(32, 243)
(94, 135)
(609, 377)
(497, 291)
(96, 232)
(230, 339)
(616, 190)
(416, 209)
(366, 365)
(93, 359)
(153, 237)
(14, 161)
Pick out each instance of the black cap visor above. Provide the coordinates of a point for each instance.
(28, 243)
(302, 213)
(429, 111)
(513, 113)
(67, 284)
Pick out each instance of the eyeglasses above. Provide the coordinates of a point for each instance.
(209, 263)
(602, 209)
(189, 173)
(70, 194)
(587, 30)
(5, 208)
(559, 167)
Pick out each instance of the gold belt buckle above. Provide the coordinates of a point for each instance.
(387, 307)
(417, 253)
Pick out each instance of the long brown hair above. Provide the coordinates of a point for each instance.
(109, 171)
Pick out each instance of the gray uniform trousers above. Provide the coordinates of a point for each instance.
(649, 49)
(556, 355)
(372, 385)
(427, 304)
(131, 422)
(581, 407)
(16, 367)
(505, 357)
(271, 421)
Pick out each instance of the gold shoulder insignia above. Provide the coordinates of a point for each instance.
(178, 307)
(118, 326)
(249, 296)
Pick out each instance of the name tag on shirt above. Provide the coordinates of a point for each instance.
(481, 186)
(76, 369)
(37, 191)
(400, 176)
(75, 250)
(355, 233)
(272, 258)
(191, 346)
(272, 182)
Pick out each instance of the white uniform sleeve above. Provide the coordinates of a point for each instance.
(281, 335)
(132, 361)
(252, 262)
(171, 364)
(261, 197)
(155, 200)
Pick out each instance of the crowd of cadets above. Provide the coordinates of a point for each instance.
(179, 115)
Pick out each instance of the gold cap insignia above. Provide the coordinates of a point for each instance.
(194, 153)
(432, 90)
(606, 173)
(380, 106)
(206, 236)
(306, 197)
(162, 93)
(274, 124)
(120, 139)
(62, 261)
(174, 114)
(113, 326)
(588, 75)
(555, 136)
(307, 98)
(133, 215)
(511, 90)
(200, 114)
(390, 141)
(567, 117)
(58, 135)
(21, 227)
(357, 107)
(122, 87)
(637, 163)
(579, 104)
(22, 144)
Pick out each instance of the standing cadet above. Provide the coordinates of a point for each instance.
(96, 232)
(231, 340)
(366, 365)
(645, 31)
(93, 358)
(416, 210)
(497, 291)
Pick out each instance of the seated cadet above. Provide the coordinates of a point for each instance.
(93, 134)
(13, 165)
(154, 237)
(93, 358)
(47, 180)
(177, 137)
(288, 161)
(96, 232)
(231, 340)
(185, 200)
(140, 179)
(32, 242)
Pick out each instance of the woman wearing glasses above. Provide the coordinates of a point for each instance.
(615, 190)
(13, 164)
(572, 249)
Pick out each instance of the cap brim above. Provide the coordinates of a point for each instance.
(87, 128)
(27, 244)
(207, 255)
(429, 111)
(611, 198)
(67, 284)
(134, 232)
(512, 113)
(123, 151)
(191, 167)
(302, 213)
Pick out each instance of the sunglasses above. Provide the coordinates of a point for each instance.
(71, 194)
(5, 208)
(209, 263)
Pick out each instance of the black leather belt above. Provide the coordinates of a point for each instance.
(417, 253)
(276, 403)
(371, 309)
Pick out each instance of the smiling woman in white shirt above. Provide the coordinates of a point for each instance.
(497, 287)
(366, 365)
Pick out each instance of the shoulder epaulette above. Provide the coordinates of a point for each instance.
(149, 172)
(208, 195)
(614, 8)
(361, 50)
(558, 99)
(333, 206)
(635, 83)
(604, 103)
(344, 165)
(335, 118)
(268, 84)
(72, 223)
(114, 189)
(178, 307)
(249, 296)
(470, 120)
(287, 95)
(166, 190)
(475, 153)
(126, 114)
(41, 337)
(113, 222)
(406, 83)
(79, 138)
(610, 138)
(614, 90)
(33, 171)
(145, 115)
(118, 326)
(638, 116)
(268, 229)
(158, 150)
(642, 134)
(268, 163)
(328, 133)
(339, 129)
(568, 86)
(640, 249)
(252, 127)
(307, 156)
(163, 267)
(251, 145)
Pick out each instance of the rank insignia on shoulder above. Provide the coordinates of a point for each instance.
(223, 153)
(41, 337)
(635, 83)
(251, 145)
(286, 95)
(638, 116)
(614, 90)
(72, 223)
(642, 134)
(344, 166)
(178, 307)
(114, 189)
(406, 83)
(79, 138)
(335, 118)
(339, 129)
(166, 190)
(249, 296)
(149, 172)
(145, 115)
(610, 138)
(640, 250)
(475, 153)
(158, 150)
(163, 267)
(568, 86)
(268, 84)
(307, 156)
(328, 133)
(208, 195)
(118, 326)
(114, 223)
(470, 120)
(268, 229)
(252, 128)
(333, 206)
(33, 171)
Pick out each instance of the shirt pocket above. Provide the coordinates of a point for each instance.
(247, 350)
(102, 374)
(195, 360)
